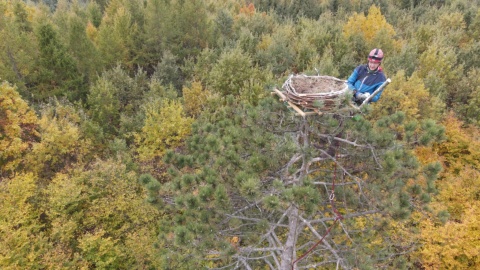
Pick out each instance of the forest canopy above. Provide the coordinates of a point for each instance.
(144, 135)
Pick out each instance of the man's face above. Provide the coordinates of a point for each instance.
(373, 65)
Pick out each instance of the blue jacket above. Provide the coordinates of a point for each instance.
(364, 82)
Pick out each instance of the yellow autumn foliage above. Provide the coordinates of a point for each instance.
(100, 250)
(166, 126)
(456, 243)
(462, 146)
(369, 25)
(9, 9)
(92, 32)
(410, 96)
(20, 229)
(18, 124)
(62, 141)
(195, 98)
(100, 213)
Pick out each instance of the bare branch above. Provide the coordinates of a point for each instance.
(250, 249)
(345, 216)
(270, 264)
(271, 240)
(254, 219)
(345, 171)
(244, 262)
(225, 267)
(270, 232)
(376, 158)
(353, 143)
(293, 160)
(316, 265)
(241, 210)
(336, 184)
(327, 245)
(288, 254)
(345, 231)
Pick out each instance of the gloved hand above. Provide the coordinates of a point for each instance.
(362, 96)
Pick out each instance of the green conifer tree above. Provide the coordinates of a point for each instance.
(57, 73)
(255, 188)
(82, 49)
(18, 49)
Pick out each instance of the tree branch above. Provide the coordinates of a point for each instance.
(327, 245)
(254, 219)
(14, 64)
(314, 266)
(289, 254)
(250, 249)
(336, 184)
(244, 262)
(315, 221)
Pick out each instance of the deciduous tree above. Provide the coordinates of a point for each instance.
(195, 98)
(450, 235)
(369, 26)
(62, 144)
(409, 95)
(22, 235)
(440, 72)
(166, 126)
(99, 218)
(18, 129)
(234, 74)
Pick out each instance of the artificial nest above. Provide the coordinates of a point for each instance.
(318, 93)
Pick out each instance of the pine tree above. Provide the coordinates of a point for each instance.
(18, 49)
(115, 98)
(187, 29)
(234, 74)
(82, 48)
(280, 53)
(168, 71)
(57, 70)
(104, 106)
(255, 188)
(116, 34)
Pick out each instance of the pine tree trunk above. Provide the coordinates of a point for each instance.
(288, 253)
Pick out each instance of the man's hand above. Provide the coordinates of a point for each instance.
(362, 96)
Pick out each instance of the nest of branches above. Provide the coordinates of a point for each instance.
(323, 93)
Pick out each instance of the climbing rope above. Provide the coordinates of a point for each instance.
(338, 216)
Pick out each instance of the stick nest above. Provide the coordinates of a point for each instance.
(323, 93)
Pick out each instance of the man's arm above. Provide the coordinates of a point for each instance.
(352, 79)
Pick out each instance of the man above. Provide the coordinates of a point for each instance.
(365, 79)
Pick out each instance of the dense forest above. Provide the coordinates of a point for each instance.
(143, 134)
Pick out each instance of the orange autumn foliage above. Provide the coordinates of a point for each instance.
(248, 10)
